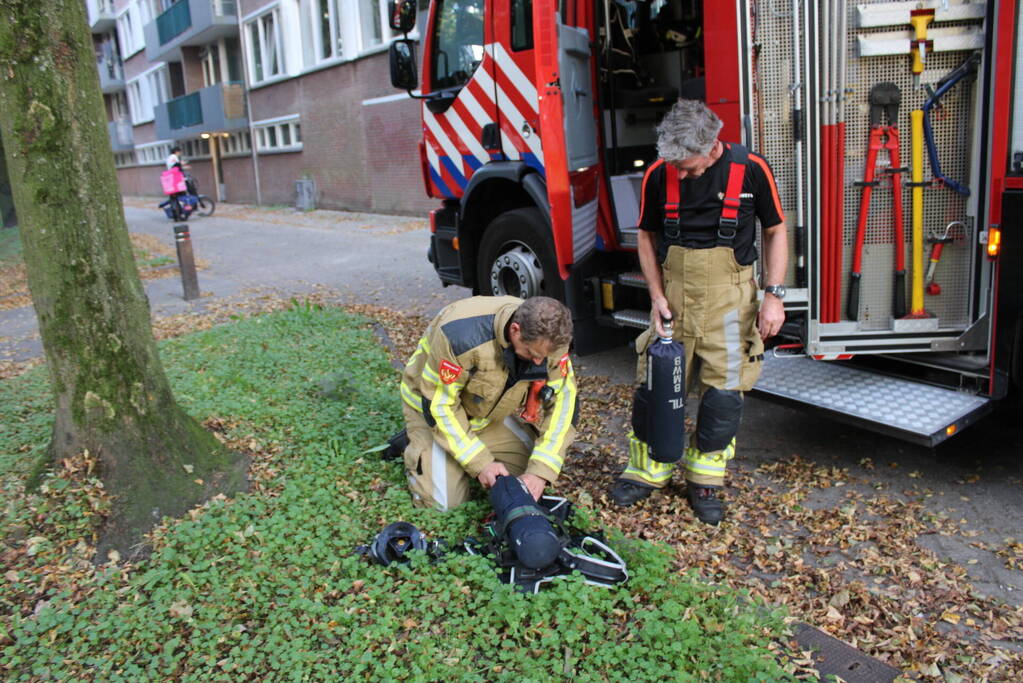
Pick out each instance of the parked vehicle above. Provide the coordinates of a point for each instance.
(180, 206)
(538, 125)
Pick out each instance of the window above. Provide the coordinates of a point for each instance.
(522, 25)
(119, 110)
(373, 23)
(278, 135)
(236, 144)
(220, 62)
(321, 31)
(147, 92)
(129, 30)
(122, 159)
(263, 40)
(153, 153)
(196, 149)
(457, 42)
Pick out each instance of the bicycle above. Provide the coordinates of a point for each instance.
(180, 206)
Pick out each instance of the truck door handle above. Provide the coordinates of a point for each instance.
(490, 138)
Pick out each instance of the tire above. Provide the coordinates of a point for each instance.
(205, 206)
(516, 257)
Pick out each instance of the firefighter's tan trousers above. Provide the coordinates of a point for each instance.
(714, 303)
(437, 480)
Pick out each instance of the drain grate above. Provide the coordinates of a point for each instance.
(833, 657)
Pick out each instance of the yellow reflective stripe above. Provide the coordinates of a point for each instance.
(642, 466)
(711, 464)
(553, 440)
(410, 397)
(462, 446)
(431, 375)
(478, 423)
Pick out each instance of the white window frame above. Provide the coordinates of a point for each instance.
(196, 148)
(124, 159)
(365, 21)
(147, 91)
(153, 153)
(236, 145)
(278, 43)
(311, 33)
(130, 30)
(270, 134)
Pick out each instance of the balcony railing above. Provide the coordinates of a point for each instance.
(175, 21)
(183, 112)
(191, 23)
(219, 107)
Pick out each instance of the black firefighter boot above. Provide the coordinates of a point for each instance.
(626, 492)
(708, 507)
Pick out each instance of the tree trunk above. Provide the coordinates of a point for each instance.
(111, 394)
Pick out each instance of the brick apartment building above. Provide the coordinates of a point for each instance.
(259, 94)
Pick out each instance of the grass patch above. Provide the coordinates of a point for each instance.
(265, 586)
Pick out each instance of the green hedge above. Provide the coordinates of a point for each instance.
(266, 586)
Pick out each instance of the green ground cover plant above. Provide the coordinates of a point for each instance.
(266, 585)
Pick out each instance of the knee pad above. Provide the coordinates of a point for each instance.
(525, 525)
(718, 421)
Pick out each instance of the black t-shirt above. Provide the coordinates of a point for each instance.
(701, 200)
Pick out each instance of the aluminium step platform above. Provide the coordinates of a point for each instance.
(913, 411)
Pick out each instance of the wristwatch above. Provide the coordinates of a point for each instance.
(777, 290)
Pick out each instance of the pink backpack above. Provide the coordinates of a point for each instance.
(173, 181)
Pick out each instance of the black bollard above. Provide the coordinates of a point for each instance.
(186, 262)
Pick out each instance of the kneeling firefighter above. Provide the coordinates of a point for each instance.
(701, 201)
(489, 392)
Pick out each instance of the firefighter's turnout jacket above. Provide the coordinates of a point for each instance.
(464, 394)
(706, 228)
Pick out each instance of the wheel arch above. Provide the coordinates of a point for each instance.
(496, 188)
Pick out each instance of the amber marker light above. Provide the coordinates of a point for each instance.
(994, 242)
(454, 244)
(950, 430)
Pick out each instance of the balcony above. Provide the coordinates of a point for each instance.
(122, 137)
(219, 108)
(189, 22)
(102, 17)
(111, 74)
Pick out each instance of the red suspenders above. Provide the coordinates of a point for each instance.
(729, 220)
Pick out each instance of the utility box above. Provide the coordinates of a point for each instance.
(305, 194)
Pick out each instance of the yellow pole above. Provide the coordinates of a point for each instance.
(917, 303)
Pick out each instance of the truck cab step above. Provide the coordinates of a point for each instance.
(629, 317)
(914, 411)
(632, 279)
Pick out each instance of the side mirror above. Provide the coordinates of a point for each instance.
(403, 64)
(401, 15)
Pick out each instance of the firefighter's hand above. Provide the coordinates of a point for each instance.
(771, 316)
(659, 309)
(488, 477)
(534, 483)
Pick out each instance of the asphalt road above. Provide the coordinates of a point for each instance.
(976, 476)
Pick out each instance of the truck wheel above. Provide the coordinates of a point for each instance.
(516, 257)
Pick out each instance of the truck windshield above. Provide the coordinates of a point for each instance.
(457, 42)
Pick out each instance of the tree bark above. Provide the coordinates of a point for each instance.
(111, 394)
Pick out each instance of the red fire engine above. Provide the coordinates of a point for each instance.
(895, 130)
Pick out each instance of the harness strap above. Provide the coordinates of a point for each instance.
(728, 222)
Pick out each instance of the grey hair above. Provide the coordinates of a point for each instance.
(688, 130)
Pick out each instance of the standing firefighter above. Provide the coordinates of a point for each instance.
(701, 200)
(490, 391)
